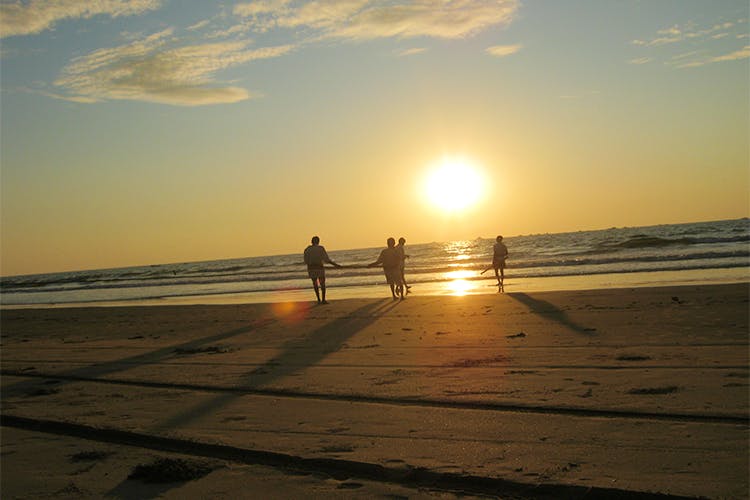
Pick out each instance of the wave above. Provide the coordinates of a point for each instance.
(274, 286)
(660, 248)
(446, 272)
(646, 241)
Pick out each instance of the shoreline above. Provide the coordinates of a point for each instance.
(457, 287)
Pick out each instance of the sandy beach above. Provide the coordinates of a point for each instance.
(630, 393)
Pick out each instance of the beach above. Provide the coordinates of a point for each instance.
(630, 392)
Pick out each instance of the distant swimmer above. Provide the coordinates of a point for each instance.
(315, 258)
(391, 260)
(404, 256)
(500, 254)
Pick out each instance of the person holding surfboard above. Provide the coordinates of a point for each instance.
(315, 256)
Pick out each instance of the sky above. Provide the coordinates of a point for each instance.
(138, 132)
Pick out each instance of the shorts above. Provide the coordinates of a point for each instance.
(393, 275)
(498, 264)
(316, 273)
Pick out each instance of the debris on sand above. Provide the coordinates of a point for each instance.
(654, 390)
(171, 470)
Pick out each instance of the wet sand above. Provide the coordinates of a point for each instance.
(618, 392)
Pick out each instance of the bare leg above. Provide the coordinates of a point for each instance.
(323, 289)
(499, 277)
(315, 287)
(403, 280)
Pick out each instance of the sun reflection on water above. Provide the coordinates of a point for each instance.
(460, 274)
(457, 282)
(459, 287)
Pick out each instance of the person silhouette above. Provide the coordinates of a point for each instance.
(315, 257)
(499, 255)
(390, 259)
(404, 256)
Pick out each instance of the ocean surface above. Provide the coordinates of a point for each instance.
(705, 252)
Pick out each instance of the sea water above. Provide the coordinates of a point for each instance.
(704, 252)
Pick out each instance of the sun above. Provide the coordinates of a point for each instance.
(454, 185)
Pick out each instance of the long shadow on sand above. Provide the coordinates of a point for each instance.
(153, 357)
(297, 355)
(550, 311)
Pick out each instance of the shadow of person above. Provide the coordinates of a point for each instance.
(130, 489)
(551, 312)
(101, 370)
(297, 355)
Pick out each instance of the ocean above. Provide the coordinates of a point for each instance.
(695, 253)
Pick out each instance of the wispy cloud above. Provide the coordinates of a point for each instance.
(640, 60)
(743, 53)
(33, 17)
(410, 52)
(503, 50)
(182, 70)
(677, 34)
(367, 19)
(700, 46)
(152, 70)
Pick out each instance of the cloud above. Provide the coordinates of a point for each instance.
(172, 69)
(743, 53)
(33, 17)
(503, 50)
(152, 70)
(410, 52)
(705, 42)
(640, 60)
(688, 32)
(199, 25)
(260, 7)
(367, 19)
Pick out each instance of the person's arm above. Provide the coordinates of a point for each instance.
(377, 262)
(327, 259)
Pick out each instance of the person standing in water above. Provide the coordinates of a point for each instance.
(315, 258)
(391, 260)
(500, 254)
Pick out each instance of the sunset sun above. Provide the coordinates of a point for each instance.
(454, 185)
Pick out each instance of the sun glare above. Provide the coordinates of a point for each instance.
(454, 185)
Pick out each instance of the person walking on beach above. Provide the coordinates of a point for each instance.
(500, 253)
(390, 259)
(404, 256)
(315, 256)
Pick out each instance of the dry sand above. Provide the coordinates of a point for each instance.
(558, 394)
